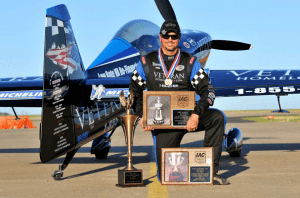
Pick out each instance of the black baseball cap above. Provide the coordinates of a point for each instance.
(170, 26)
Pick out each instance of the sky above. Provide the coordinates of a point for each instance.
(271, 26)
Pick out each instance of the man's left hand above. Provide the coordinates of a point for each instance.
(192, 123)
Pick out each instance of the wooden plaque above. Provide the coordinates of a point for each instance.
(183, 166)
(167, 109)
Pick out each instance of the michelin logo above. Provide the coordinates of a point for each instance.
(97, 92)
(21, 95)
(115, 93)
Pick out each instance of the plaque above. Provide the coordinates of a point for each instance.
(187, 166)
(167, 109)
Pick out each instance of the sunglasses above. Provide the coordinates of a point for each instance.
(174, 37)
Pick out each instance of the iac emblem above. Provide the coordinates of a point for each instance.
(182, 100)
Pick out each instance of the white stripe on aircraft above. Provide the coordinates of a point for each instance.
(126, 57)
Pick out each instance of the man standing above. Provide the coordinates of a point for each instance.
(170, 69)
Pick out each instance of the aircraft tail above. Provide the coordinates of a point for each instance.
(72, 115)
(63, 72)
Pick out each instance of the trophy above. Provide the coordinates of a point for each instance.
(158, 115)
(129, 176)
(176, 160)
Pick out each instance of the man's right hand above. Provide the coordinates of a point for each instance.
(148, 128)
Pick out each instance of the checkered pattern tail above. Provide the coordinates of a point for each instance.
(61, 50)
(63, 72)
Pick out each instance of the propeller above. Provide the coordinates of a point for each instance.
(230, 45)
(168, 13)
(165, 9)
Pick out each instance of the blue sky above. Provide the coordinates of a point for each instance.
(272, 26)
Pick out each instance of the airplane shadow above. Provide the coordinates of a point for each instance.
(117, 158)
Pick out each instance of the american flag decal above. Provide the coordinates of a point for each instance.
(64, 56)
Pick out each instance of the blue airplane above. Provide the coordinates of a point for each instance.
(80, 105)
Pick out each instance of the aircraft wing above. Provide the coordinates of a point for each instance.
(21, 91)
(228, 83)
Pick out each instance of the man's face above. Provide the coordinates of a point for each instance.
(168, 43)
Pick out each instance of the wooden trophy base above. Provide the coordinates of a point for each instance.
(130, 178)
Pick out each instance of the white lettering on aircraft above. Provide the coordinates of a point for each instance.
(118, 71)
(265, 75)
(269, 90)
(21, 95)
(85, 113)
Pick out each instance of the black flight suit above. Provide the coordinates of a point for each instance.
(189, 73)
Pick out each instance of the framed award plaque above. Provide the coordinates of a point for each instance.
(167, 109)
(182, 166)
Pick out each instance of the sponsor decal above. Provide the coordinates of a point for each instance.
(21, 79)
(180, 68)
(212, 95)
(114, 93)
(56, 78)
(171, 24)
(58, 92)
(171, 57)
(119, 71)
(82, 137)
(144, 60)
(192, 60)
(159, 76)
(200, 157)
(163, 31)
(268, 90)
(209, 101)
(191, 41)
(21, 95)
(155, 64)
(97, 92)
(186, 44)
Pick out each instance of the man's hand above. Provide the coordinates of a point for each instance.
(192, 123)
(148, 128)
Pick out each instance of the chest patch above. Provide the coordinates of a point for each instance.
(179, 68)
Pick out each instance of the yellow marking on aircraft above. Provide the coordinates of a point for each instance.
(155, 189)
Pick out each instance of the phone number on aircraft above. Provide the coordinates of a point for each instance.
(269, 90)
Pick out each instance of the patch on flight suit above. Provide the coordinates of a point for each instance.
(143, 60)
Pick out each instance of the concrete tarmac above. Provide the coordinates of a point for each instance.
(268, 167)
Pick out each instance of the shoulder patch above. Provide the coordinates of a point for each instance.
(192, 60)
(143, 60)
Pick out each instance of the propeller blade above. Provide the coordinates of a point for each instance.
(165, 9)
(230, 45)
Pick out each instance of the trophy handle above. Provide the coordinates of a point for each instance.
(169, 158)
(124, 129)
(134, 126)
(181, 158)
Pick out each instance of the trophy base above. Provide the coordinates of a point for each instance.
(130, 178)
(158, 121)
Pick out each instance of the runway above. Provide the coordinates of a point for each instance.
(268, 167)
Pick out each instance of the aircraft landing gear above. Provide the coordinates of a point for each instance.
(58, 174)
(101, 145)
(102, 154)
(280, 110)
(233, 142)
(235, 153)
